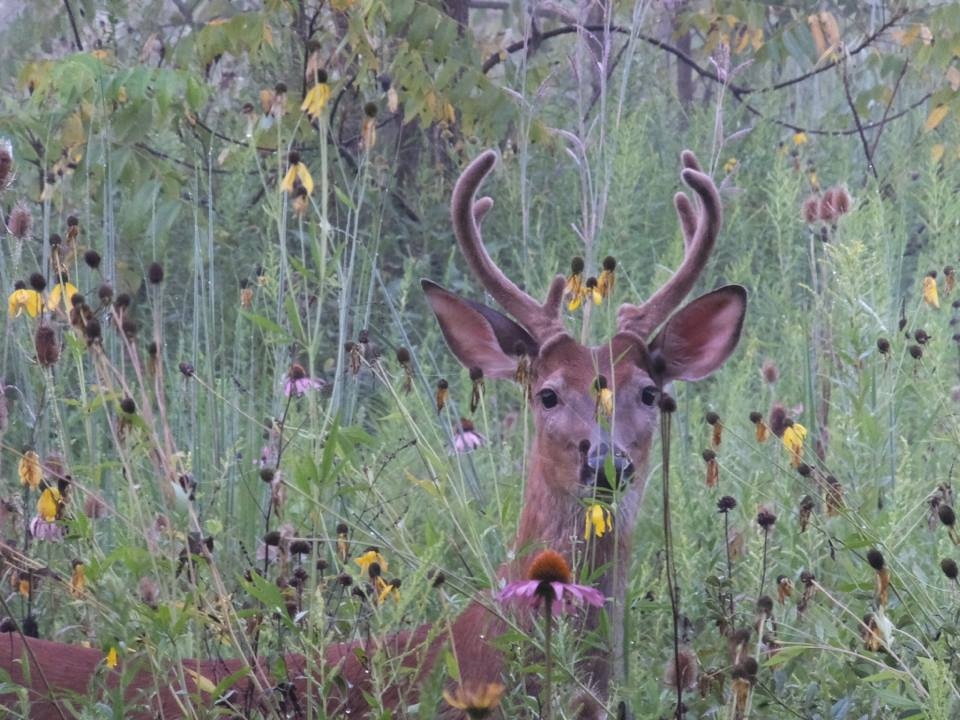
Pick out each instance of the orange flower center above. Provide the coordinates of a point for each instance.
(549, 566)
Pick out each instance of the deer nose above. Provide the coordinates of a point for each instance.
(595, 465)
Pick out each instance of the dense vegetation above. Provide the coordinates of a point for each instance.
(246, 196)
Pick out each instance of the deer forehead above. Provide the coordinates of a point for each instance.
(565, 363)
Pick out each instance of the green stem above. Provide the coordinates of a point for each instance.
(547, 642)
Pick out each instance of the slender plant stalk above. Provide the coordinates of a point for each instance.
(548, 651)
(668, 554)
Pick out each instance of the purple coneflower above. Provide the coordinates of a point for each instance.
(550, 579)
(298, 383)
(466, 438)
(43, 530)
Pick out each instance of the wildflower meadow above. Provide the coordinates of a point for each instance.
(266, 451)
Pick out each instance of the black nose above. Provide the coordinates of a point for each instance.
(596, 464)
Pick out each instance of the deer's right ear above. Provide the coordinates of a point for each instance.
(479, 336)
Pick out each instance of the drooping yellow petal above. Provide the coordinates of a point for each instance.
(605, 282)
(112, 659)
(48, 506)
(63, 292)
(930, 295)
(29, 470)
(598, 522)
(575, 301)
(316, 100)
(605, 401)
(24, 299)
(78, 581)
(369, 557)
(793, 438)
(305, 178)
(286, 185)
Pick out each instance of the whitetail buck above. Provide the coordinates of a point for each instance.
(689, 344)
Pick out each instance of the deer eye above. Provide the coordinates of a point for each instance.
(648, 395)
(548, 397)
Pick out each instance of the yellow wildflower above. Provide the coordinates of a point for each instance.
(607, 278)
(730, 165)
(317, 97)
(23, 586)
(598, 521)
(112, 660)
(297, 175)
(372, 555)
(793, 437)
(930, 295)
(29, 469)
(477, 700)
(23, 298)
(592, 288)
(574, 286)
(800, 138)
(62, 292)
(78, 581)
(48, 506)
(385, 589)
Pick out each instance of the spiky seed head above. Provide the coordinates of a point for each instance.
(549, 566)
(682, 670)
(947, 515)
(20, 222)
(92, 259)
(128, 405)
(442, 384)
(712, 418)
(883, 345)
(766, 519)
(916, 352)
(272, 538)
(105, 293)
(46, 346)
(576, 265)
(296, 372)
(403, 355)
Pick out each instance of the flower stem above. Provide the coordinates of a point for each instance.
(548, 661)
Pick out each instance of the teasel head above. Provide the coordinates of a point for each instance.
(769, 371)
(20, 222)
(46, 345)
(7, 172)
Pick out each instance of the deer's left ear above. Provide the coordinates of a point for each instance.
(479, 336)
(698, 339)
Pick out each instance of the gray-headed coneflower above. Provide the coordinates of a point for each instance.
(46, 345)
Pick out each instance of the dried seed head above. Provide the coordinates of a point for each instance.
(778, 419)
(804, 469)
(296, 372)
(766, 519)
(883, 345)
(129, 328)
(476, 374)
(46, 346)
(55, 240)
(916, 352)
(20, 222)
(949, 568)
(921, 336)
(576, 265)
(765, 605)
(94, 508)
(186, 369)
(726, 503)
(841, 200)
(436, 578)
(272, 538)
(770, 371)
(609, 263)
(549, 566)
(344, 580)
(600, 383)
(105, 293)
(811, 209)
(38, 282)
(756, 417)
(128, 405)
(267, 474)
(875, 559)
(370, 110)
(155, 273)
(682, 671)
(122, 302)
(149, 592)
(6, 164)
(947, 516)
(92, 331)
(403, 355)
(300, 547)
(92, 259)
(667, 404)
(342, 529)
(709, 455)
(712, 418)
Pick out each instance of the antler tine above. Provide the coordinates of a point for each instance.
(700, 228)
(539, 320)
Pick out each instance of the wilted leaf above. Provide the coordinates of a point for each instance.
(936, 117)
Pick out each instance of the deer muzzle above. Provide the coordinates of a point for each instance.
(599, 461)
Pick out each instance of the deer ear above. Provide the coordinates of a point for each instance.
(479, 336)
(698, 339)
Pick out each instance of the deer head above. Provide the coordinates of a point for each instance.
(655, 344)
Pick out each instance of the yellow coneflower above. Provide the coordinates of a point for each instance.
(592, 289)
(343, 542)
(112, 659)
(599, 521)
(713, 468)
(604, 396)
(371, 555)
(761, 431)
(24, 299)
(793, 436)
(476, 394)
(784, 588)
(297, 175)
(48, 506)
(930, 295)
(317, 97)
(368, 130)
(877, 562)
(799, 138)
(716, 436)
(477, 700)
(443, 391)
(78, 579)
(574, 286)
(30, 470)
(24, 586)
(62, 293)
(608, 277)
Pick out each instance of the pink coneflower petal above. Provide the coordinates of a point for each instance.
(465, 441)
